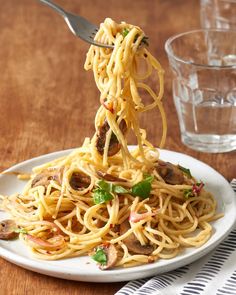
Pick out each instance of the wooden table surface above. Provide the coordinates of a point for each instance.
(48, 102)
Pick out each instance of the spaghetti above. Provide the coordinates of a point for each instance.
(122, 206)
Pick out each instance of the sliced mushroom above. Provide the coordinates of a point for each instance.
(8, 229)
(111, 254)
(79, 181)
(114, 145)
(170, 173)
(47, 175)
(110, 177)
(132, 243)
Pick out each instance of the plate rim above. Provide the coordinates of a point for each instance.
(121, 274)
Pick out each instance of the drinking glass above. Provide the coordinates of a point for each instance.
(203, 63)
(219, 14)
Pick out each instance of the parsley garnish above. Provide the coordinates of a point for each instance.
(100, 256)
(142, 189)
(105, 190)
(148, 177)
(186, 171)
(106, 186)
(112, 188)
(101, 196)
(119, 189)
(188, 193)
(125, 32)
(144, 41)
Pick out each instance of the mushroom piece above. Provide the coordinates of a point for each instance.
(111, 254)
(170, 173)
(110, 177)
(8, 229)
(114, 145)
(47, 175)
(132, 242)
(79, 181)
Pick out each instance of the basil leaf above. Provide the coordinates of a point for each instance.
(119, 189)
(101, 196)
(106, 186)
(188, 193)
(186, 171)
(100, 256)
(142, 189)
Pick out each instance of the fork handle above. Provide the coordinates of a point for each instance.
(55, 6)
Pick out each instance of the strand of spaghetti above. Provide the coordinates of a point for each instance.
(67, 216)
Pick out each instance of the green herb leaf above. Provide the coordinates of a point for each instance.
(21, 231)
(119, 189)
(148, 177)
(109, 187)
(100, 256)
(186, 171)
(125, 32)
(142, 189)
(106, 186)
(101, 196)
(188, 193)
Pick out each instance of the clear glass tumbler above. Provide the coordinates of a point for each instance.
(203, 63)
(219, 14)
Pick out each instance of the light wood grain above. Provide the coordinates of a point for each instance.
(48, 101)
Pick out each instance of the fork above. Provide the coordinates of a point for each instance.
(78, 25)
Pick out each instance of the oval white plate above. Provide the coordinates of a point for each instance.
(82, 268)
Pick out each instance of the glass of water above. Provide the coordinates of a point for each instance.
(203, 63)
(219, 14)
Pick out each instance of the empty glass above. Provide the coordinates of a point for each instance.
(203, 63)
(219, 14)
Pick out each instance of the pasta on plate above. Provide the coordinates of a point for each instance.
(122, 206)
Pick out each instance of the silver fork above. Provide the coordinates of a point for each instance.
(78, 25)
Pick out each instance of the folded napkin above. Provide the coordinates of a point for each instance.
(215, 273)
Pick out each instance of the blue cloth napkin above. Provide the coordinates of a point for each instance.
(214, 274)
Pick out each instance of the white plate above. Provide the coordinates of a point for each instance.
(82, 268)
